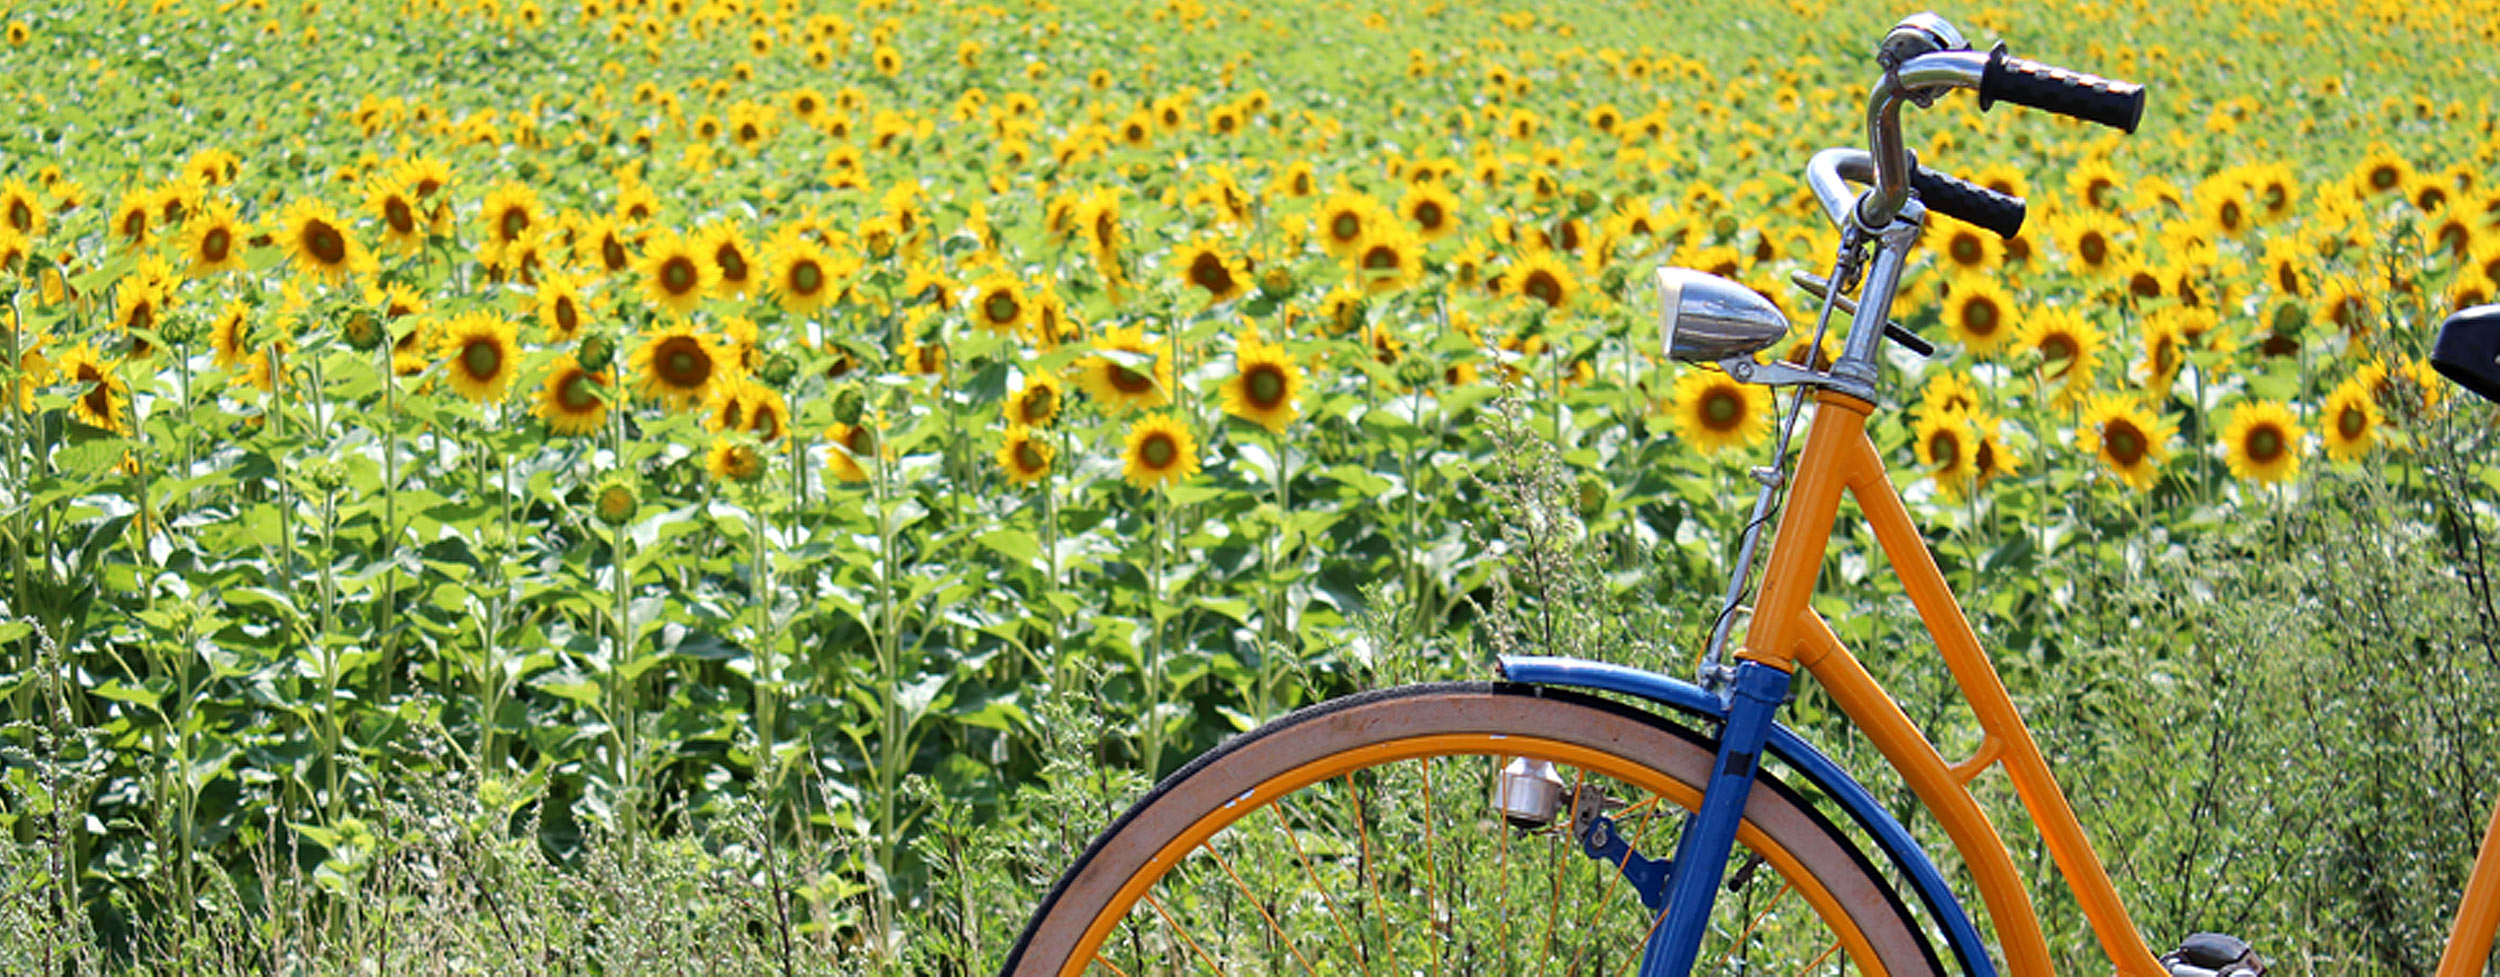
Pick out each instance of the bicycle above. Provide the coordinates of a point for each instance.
(1273, 833)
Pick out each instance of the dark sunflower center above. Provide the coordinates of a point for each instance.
(683, 362)
(1980, 318)
(21, 216)
(1345, 226)
(1541, 286)
(135, 224)
(1945, 447)
(1984, 459)
(1207, 271)
(2265, 443)
(401, 217)
(733, 266)
(1722, 410)
(325, 243)
(807, 278)
(860, 441)
(2230, 214)
(1266, 385)
(142, 315)
(481, 358)
(2383, 177)
(612, 254)
(1129, 381)
(2058, 347)
(678, 275)
(1380, 258)
(2094, 194)
(2144, 285)
(2352, 421)
(99, 401)
(765, 422)
(576, 394)
(2288, 276)
(1029, 457)
(1967, 249)
(567, 317)
(2124, 442)
(512, 223)
(1001, 307)
(215, 244)
(2093, 248)
(1158, 451)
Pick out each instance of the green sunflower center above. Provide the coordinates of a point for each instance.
(1266, 385)
(2265, 443)
(325, 243)
(807, 278)
(678, 276)
(2124, 443)
(1722, 410)
(1158, 451)
(576, 393)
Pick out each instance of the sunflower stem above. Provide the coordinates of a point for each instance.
(767, 671)
(1153, 748)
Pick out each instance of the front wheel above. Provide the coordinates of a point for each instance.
(1356, 837)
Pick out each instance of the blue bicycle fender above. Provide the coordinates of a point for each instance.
(1800, 756)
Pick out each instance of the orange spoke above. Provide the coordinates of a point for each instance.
(1388, 953)
(1501, 893)
(1330, 901)
(1107, 964)
(1432, 918)
(1184, 935)
(1579, 779)
(1818, 960)
(1227, 866)
(1785, 888)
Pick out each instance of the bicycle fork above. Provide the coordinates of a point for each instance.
(1701, 854)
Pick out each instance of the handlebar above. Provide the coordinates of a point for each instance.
(1831, 170)
(1923, 59)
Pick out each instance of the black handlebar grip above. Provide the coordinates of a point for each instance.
(2116, 104)
(1968, 202)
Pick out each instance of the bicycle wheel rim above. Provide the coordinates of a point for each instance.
(1148, 857)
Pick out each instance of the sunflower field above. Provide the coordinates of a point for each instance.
(496, 485)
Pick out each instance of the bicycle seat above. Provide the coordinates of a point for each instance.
(1703, 318)
(2468, 350)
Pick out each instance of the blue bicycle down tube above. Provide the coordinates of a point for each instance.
(1701, 854)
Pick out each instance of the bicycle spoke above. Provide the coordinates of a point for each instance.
(1432, 916)
(1370, 873)
(1580, 779)
(1817, 962)
(1183, 934)
(1756, 921)
(1335, 913)
(1255, 903)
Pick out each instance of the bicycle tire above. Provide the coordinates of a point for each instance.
(1183, 825)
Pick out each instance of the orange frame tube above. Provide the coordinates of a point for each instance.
(1786, 632)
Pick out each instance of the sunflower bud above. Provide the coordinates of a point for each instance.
(778, 369)
(596, 352)
(361, 329)
(614, 501)
(1611, 280)
(1585, 200)
(1591, 496)
(325, 474)
(181, 330)
(847, 405)
(1276, 282)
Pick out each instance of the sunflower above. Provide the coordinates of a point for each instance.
(1713, 412)
(2382, 171)
(603, 245)
(1298, 180)
(1968, 250)
(1206, 265)
(2274, 192)
(1544, 278)
(138, 304)
(408, 351)
(1264, 385)
(2068, 344)
(803, 276)
(318, 243)
(675, 275)
(481, 352)
(1991, 456)
(510, 212)
(1025, 458)
(846, 446)
(1389, 259)
(212, 240)
(2221, 203)
(734, 460)
(999, 304)
(2351, 421)
(560, 307)
(2344, 305)
(1036, 403)
(1158, 451)
(2095, 184)
(1980, 315)
(1948, 393)
(2262, 442)
(1050, 325)
(2126, 438)
(2165, 351)
(1945, 447)
(680, 367)
(391, 200)
(732, 261)
(574, 400)
(1125, 372)
(21, 210)
(1432, 209)
(101, 394)
(130, 217)
(1344, 220)
(33, 368)
(2090, 240)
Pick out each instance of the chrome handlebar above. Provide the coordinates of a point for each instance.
(1918, 79)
